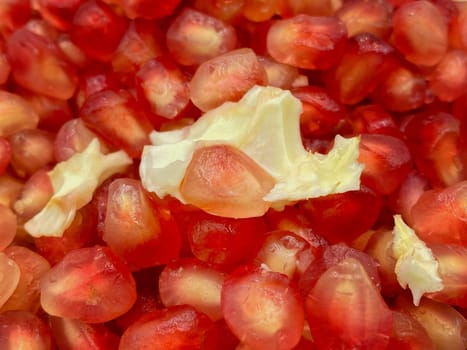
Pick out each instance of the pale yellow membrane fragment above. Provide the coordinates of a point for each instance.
(74, 182)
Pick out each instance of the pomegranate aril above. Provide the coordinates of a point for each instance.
(257, 304)
(194, 37)
(420, 32)
(387, 162)
(89, 284)
(260, 10)
(226, 10)
(174, 328)
(72, 52)
(24, 330)
(333, 216)
(59, 13)
(8, 226)
(307, 42)
(42, 28)
(93, 81)
(408, 334)
(321, 114)
(444, 325)
(117, 117)
(222, 180)
(448, 80)
(278, 74)
(226, 242)
(97, 30)
(9, 278)
(452, 261)
(17, 114)
(439, 215)
(81, 233)
(434, 140)
(72, 334)
(13, 15)
(33, 196)
(33, 267)
(5, 155)
(192, 282)
(365, 62)
(142, 233)
(345, 310)
(39, 65)
(311, 7)
(149, 9)
(10, 188)
(362, 16)
(31, 150)
(141, 42)
(283, 252)
(73, 137)
(373, 119)
(5, 67)
(162, 85)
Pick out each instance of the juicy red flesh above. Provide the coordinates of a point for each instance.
(230, 270)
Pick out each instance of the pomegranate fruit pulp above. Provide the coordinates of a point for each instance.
(333, 216)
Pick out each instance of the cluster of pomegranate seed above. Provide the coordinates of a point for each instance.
(134, 271)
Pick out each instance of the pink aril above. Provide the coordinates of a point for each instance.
(10, 188)
(363, 65)
(94, 80)
(72, 52)
(420, 32)
(9, 278)
(194, 37)
(408, 334)
(310, 7)
(31, 150)
(13, 15)
(163, 86)
(91, 284)
(17, 114)
(5, 67)
(32, 267)
(261, 10)
(373, 119)
(278, 74)
(5, 155)
(8, 226)
(195, 283)
(149, 9)
(305, 41)
(59, 13)
(226, 78)
(38, 64)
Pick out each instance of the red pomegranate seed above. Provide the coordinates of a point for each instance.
(89, 284)
(10, 188)
(260, 10)
(13, 15)
(448, 81)
(33, 196)
(141, 42)
(72, 52)
(81, 233)
(321, 114)
(444, 325)
(192, 282)
(226, 78)
(143, 234)
(97, 30)
(311, 7)
(434, 140)
(373, 119)
(403, 199)
(387, 162)
(17, 114)
(365, 62)
(222, 180)
(420, 32)
(39, 65)
(73, 137)
(283, 252)
(257, 304)
(226, 242)
(380, 248)
(361, 16)
(162, 85)
(307, 42)
(403, 89)
(10, 276)
(24, 330)
(177, 327)
(439, 215)
(345, 310)
(458, 25)
(149, 9)
(5, 67)
(195, 37)
(59, 13)
(452, 270)
(8, 225)
(31, 150)
(5, 155)
(329, 214)
(93, 81)
(32, 267)
(409, 334)
(42, 28)
(72, 334)
(278, 74)
(226, 10)
(117, 117)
